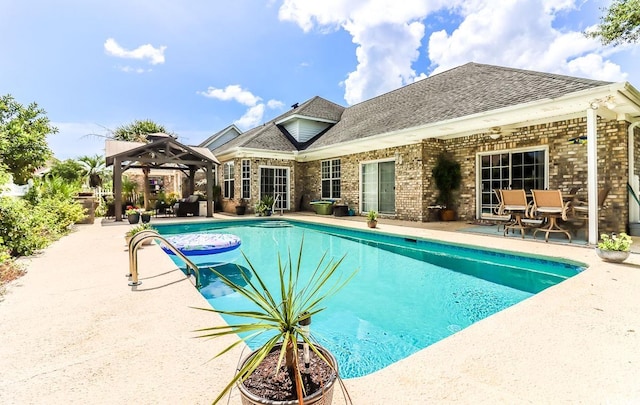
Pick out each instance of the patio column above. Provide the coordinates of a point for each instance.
(117, 188)
(209, 175)
(592, 173)
(634, 210)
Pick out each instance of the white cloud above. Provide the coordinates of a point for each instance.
(234, 92)
(516, 33)
(275, 104)
(155, 56)
(130, 69)
(252, 118)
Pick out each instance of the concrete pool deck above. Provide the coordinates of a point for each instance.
(73, 331)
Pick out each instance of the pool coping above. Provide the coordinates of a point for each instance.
(88, 337)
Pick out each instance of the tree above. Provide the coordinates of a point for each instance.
(69, 170)
(621, 24)
(23, 138)
(94, 169)
(137, 131)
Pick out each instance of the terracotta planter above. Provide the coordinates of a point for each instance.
(323, 397)
(448, 215)
(614, 256)
(372, 224)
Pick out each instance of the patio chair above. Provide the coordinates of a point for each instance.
(514, 202)
(187, 206)
(580, 211)
(550, 205)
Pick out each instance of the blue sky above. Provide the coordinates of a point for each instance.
(198, 66)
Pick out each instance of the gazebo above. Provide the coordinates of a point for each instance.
(162, 152)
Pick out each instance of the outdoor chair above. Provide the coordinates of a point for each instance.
(514, 202)
(550, 205)
(187, 206)
(580, 211)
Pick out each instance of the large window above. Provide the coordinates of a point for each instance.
(331, 178)
(228, 180)
(246, 179)
(377, 185)
(274, 181)
(518, 169)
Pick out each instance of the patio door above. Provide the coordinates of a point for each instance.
(518, 169)
(274, 181)
(378, 187)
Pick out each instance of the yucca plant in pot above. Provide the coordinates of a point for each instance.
(290, 366)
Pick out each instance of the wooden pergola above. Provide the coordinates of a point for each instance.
(162, 152)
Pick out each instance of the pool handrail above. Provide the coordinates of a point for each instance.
(137, 240)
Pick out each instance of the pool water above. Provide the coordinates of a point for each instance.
(408, 294)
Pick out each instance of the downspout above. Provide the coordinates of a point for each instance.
(634, 209)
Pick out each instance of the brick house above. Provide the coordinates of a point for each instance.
(506, 127)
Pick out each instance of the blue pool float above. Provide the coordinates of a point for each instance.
(198, 244)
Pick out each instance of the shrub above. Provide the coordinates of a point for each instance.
(19, 231)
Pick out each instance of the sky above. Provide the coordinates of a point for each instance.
(198, 66)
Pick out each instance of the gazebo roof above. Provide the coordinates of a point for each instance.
(164, 151)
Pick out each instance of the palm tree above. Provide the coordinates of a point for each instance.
(94, 168)
(137, 131)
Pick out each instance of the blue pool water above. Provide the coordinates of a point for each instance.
(408, 294)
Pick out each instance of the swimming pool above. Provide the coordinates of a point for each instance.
(408, 294)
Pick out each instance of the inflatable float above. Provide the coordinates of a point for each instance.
(200, 244)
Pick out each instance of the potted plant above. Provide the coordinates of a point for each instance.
(283, 315)
(614, 248)
(133, 214)
(146, 216)
(372, 219)
(448, 177)
(268, 201)
(134, 230)
(260, 209)
(241, 206)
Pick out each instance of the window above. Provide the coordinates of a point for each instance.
(331, 178)
(246, 179)
(378, 185)
(274, 181)
(518, 169)
(228, 180)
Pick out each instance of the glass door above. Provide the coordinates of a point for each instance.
(274, 181)
(378, 184)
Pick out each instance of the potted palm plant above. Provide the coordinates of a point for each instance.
(614, 248)
(136, 229)
(448, 177)
(293, 366)
(268, 201)
(372, 219)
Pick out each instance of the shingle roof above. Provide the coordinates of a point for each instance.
(469, 89)
(466, 90)
(269, 137)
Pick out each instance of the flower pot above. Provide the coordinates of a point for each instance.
(372, 224)
(240, 209)
(323, 396)
(146, 218)
(133, 218)
(614, 256)
(448, 215)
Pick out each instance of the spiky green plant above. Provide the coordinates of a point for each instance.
(279, 313)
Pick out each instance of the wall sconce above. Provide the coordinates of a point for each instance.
(398, 158)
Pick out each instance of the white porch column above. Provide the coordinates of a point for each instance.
(634, 210)
(592, 175)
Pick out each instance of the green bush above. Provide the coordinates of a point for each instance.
(20, 232)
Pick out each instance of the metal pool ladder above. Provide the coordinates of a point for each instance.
(137, 240)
